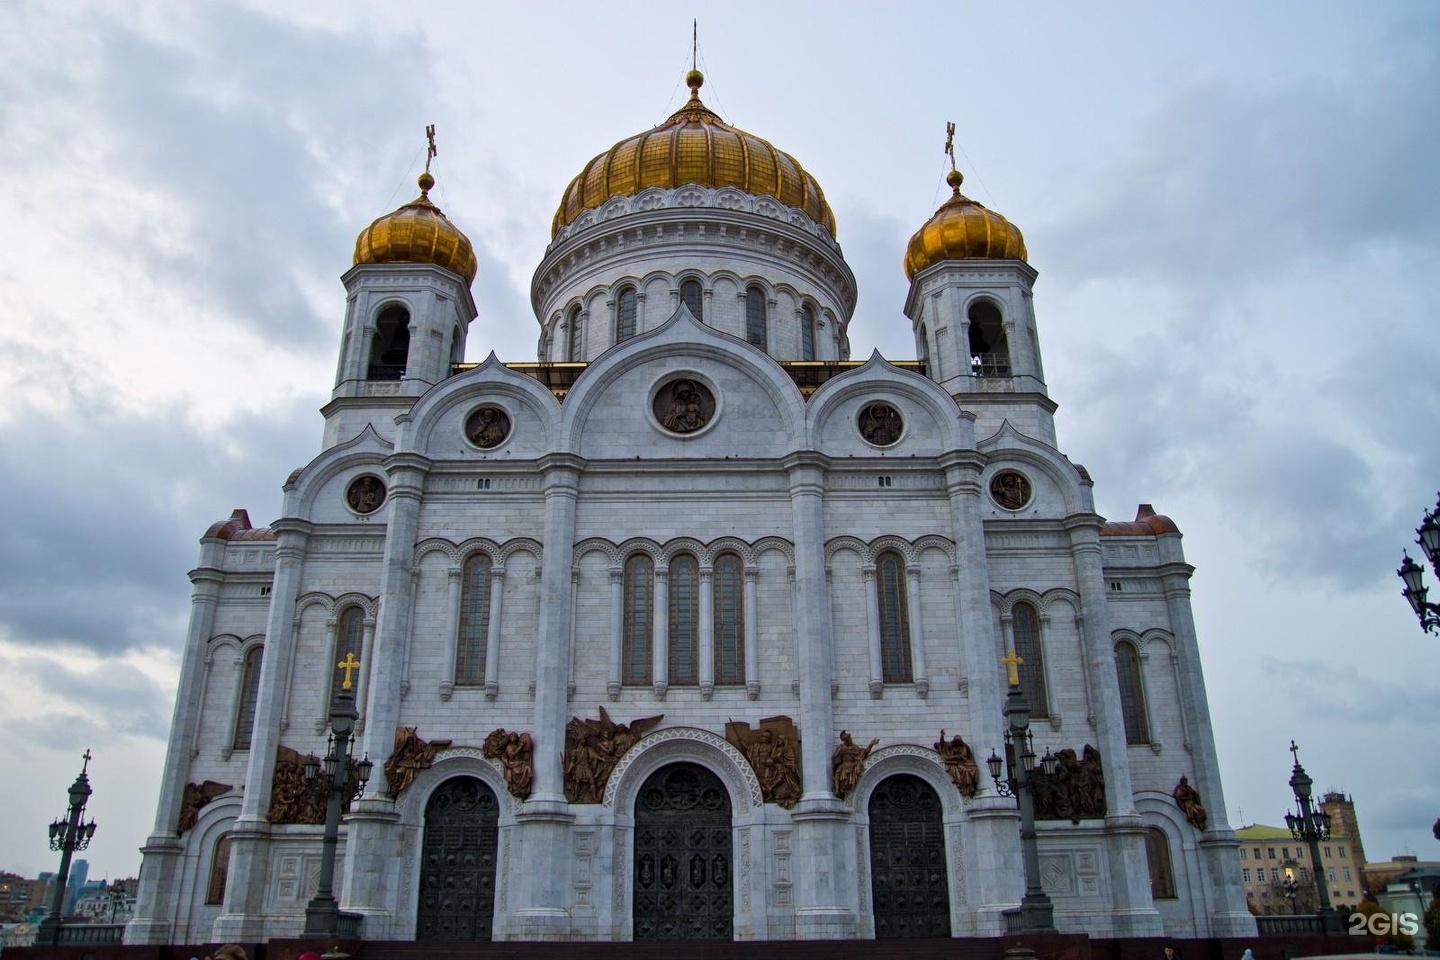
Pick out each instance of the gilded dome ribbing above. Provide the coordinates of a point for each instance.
(693, 146)
(963, 229)
(417, 233)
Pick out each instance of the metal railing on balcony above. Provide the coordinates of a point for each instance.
(1290, 925)
(91, 934)
(386, 371)
(989, 365)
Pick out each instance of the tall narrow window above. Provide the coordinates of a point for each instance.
(576, 345)
(1132, 693)
(922, 348)
(1157, 858)
(989, 352)
(219, 870)
(347, 641)
(691, 294)
(684, 637)
(249, 698)
(729, 597)
(755, 325)
(894, 618)
(639, 611)
(626, 308)
(1026, 626)
(390, 347)
(807, 333)
(474, 620)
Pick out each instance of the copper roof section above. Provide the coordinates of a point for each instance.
(237, 528)
(1147, 523)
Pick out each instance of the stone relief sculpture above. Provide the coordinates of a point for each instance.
(593, 747)
(684, 405)
(195, 797)
(1075, 792)
(880, 424)
(516, 752)
(960, 763)
(365, 495)
(410, 755)
(1010, 489)
(773, 750)
(293, 799)
(847, 762)
(1187, 798)
(487, 427)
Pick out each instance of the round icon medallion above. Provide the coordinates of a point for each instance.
(683, 405)
(1010, 489)
(487, 427)
(880, 423)
(365, 494)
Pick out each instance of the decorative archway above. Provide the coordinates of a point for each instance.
(909, 882)
(683, 877)
(457, 867)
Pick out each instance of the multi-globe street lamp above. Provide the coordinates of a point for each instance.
(67, 834)
(1412, 574)
(322, 913)
(1036, 914)
(1310, 826)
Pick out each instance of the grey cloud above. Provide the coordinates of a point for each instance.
(132, 703)
(1395, 702)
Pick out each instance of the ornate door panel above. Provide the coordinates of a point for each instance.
(683, 857)
(909, 886)
(457, 862)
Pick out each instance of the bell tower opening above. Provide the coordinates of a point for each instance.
(989, 351)
(390, 347)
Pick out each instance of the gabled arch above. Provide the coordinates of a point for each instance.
(684, 744)
(877, 375)
(491, 378)
(366, 449)
(1008, 445)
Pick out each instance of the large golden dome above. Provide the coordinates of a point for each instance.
(417, 233)
(693, 146)
(962, 229)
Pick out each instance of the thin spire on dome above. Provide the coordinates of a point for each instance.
(425, 180)
(694, 79)
(954, 177)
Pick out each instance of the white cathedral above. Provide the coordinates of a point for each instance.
(692, 629)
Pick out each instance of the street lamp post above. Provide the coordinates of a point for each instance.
(1412, 574)
(1036, 914)
(322, 913)
(67, 835)
(1291, 886)
(1311, 826)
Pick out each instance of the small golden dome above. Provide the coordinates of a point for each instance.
(417, 233)
(962, 229)
(693, 146)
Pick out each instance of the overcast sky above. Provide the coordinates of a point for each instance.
(1233, 208)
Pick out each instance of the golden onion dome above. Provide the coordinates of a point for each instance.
(417, 233)
(693, 146)
(962, 229)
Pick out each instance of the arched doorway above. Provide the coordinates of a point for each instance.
(909, 886)
(457, 862)
(683, 855)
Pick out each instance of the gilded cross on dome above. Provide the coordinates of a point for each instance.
(950, 142)
(1012, 663)
(430, 150)
(348, 664)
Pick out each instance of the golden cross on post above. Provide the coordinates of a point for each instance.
(430, 151)
(695, 44)
(950, 143)
(1012, 662)
(348, 664)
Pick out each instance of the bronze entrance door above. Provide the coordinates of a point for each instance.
(457, 862)
(683, 856)
(909, 886)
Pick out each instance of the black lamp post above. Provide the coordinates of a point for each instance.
(1412, 574)
(1291, 886)
(1036, 914)
(1310, 826)
(322, 913)
(67, 835)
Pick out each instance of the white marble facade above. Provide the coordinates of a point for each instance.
(782, 479)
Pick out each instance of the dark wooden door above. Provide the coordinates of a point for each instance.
(909, 886)
(457, 866)
(683, 857)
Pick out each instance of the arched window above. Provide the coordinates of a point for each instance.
(691, 294)
(1157, 858)
(729, 598)
(807, 333)
(474, 620)
(684, 636)
(1132, 693)
(219, 870)
(457, 346)
(989, 353)
(390, 347)
(639, 611)
(248, 699)
(923, 347)
(575, 343)
(894, 618)
(347, 641)
(1025, 625)
(755, 326)
(626, 309)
